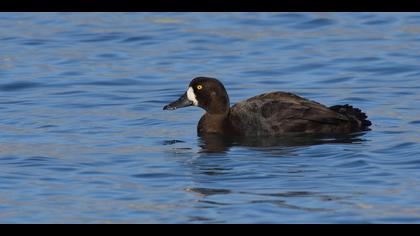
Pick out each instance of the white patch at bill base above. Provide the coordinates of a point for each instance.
(191, 96)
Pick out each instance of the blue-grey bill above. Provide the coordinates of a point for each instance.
(183, 101)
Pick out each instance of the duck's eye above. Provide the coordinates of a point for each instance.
(199, 87)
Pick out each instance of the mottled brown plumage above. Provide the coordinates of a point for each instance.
(276, 113)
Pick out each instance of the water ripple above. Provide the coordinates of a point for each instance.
(315, 23)
(138, 38)
(100, 37)
(19, 85)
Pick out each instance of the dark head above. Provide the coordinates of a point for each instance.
(207, 93)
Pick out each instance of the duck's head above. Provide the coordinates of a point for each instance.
(207, 93)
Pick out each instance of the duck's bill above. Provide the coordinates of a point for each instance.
(183, 101)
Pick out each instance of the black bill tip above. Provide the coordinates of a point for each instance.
(167, 107)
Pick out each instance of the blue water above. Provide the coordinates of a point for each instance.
(84, 138)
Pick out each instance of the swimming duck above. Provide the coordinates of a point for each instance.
(268, 114)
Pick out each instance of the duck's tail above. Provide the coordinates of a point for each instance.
(356, 116)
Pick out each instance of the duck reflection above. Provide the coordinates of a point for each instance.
(214, 143)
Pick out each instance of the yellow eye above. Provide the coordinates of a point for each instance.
(199, 87)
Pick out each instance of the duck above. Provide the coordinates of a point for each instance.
(269, 114)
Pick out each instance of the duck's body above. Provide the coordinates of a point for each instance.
(277, 113)
(269, 114)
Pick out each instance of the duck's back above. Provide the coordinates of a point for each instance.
(277, 113)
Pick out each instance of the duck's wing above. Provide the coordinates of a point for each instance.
(280, 112)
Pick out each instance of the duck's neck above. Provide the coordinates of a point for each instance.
(214, 123)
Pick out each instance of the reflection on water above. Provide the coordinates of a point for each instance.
(218, 143)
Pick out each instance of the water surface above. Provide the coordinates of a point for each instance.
(84, 138)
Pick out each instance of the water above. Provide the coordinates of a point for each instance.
(84, 138)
